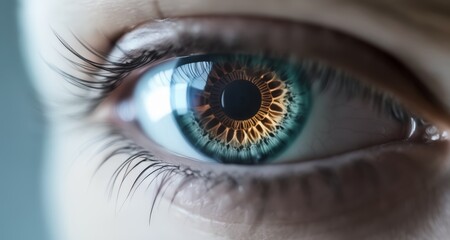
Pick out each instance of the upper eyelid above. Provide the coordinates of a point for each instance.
(139, 52)
(362, 19)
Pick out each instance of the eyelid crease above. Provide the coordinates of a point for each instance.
(153, 41)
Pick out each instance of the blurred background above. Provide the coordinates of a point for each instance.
(21, 139)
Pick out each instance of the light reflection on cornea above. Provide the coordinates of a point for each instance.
(432, 133)
(412, 128)
(422, 130)
(426, 131)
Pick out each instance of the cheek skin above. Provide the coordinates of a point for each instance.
(82, 209)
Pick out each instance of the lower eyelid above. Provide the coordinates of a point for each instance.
(371, 182)
(318, 192)
(319, 195)
(405, 173)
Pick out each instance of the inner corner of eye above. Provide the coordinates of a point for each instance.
(251, 109)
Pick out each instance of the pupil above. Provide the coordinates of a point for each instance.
(241, 100)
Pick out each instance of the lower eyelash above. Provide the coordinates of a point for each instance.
(138, 156)
(159, 175)
(167, 180)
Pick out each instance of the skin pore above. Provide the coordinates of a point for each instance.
(413, 31)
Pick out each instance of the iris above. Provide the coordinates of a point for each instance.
(239, 109)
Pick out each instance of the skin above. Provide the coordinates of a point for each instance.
(77, 204)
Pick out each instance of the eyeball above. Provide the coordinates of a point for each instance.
(228, 108)
(250, 109)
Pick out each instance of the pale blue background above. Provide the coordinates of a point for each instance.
(21, 133)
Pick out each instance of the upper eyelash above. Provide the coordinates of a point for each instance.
(380, 101)
(107, 75)
(103, 76)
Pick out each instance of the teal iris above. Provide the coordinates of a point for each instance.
(239, 109)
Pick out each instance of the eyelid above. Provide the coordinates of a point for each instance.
(185, 36)
(169, 45)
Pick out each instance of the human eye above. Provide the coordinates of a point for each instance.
(353, 144)
(246, 109)
(325, 127)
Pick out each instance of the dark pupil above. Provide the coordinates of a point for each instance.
(241, 100)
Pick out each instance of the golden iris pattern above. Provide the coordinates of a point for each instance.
(241, 132)
(241, 109)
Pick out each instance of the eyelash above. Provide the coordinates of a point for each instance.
(109, 75)
(137, 156)
(155, 168)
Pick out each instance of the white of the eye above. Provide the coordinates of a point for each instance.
(338, 124)
(154, 110)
